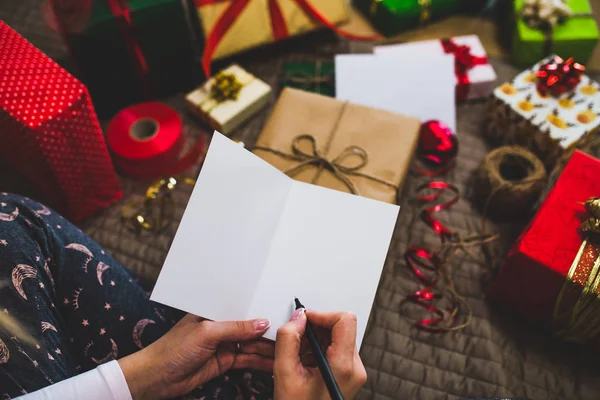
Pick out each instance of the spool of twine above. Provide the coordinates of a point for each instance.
(508, 182)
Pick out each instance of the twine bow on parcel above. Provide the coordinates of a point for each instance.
(338, 166)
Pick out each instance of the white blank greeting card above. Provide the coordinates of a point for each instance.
(422, 88)
(252, 239)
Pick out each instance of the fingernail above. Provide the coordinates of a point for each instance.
(261, 324)
(297, 314)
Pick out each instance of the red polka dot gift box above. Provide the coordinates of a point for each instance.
(49, 130)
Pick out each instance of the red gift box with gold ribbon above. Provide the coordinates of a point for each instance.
(49, 130)
(552, 273)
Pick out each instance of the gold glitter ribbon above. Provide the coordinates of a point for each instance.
(225, 86)
(336, 166)
(577, 307)
(155, 211)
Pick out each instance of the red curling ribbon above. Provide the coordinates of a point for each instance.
(420, 259)
(439, 188)
(146, 140)
(463, 62)
(424, 263)
(278, 24)
(558, 76)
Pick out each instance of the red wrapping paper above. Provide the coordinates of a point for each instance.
(537, 266)
(49, 130)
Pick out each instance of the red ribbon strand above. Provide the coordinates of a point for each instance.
(426, 264)
(464, 61)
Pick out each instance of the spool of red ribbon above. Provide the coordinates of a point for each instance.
(146, 140)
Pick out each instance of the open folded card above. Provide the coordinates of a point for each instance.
(252, 239)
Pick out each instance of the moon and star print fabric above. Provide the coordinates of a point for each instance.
(67, 306)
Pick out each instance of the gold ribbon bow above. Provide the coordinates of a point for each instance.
(225, 86)
(336, 166)
(577, 307)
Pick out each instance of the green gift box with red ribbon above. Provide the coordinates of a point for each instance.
(128, 51)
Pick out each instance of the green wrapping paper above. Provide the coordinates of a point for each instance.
(163, 31)
(394, 16)
(575, 38)
(311, 76)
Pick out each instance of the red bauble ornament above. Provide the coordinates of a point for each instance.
(558, 76)
(438, 144)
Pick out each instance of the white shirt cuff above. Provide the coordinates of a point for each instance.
(106, 382)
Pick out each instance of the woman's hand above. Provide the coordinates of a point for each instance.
(193, 352)
(295, 381)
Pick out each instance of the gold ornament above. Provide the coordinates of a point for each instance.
(508, 89)
(557, 121)
(587, 116)
(566, 103)
(589, 90)
(530, 78)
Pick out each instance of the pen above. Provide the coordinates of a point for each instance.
(332, 386)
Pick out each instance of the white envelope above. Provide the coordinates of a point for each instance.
(422, 88)
(252, 239)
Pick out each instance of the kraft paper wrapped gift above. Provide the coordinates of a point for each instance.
(475, 76)
(551, 127)
(259, 22)
(225, 115)
(339, 145)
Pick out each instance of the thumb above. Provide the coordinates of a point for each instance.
(287, 345)
(234, 331)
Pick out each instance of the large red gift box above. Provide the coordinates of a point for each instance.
(545, 273)
(49, 130)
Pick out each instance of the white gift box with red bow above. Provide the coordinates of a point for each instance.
(475, 77)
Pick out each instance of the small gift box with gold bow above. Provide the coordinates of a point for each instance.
(313, 76)
(551, 109)
(394, 16)
(475, 76)
(339, 145)
(229, 98)
(545, 27)
(552, 274)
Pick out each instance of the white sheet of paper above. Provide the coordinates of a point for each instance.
(252, 239)
(423, 87)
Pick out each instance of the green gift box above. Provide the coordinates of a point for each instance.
(576, 37)
(394, 16)
(311, 76)
(133, 50)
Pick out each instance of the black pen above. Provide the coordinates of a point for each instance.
(332, 386)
